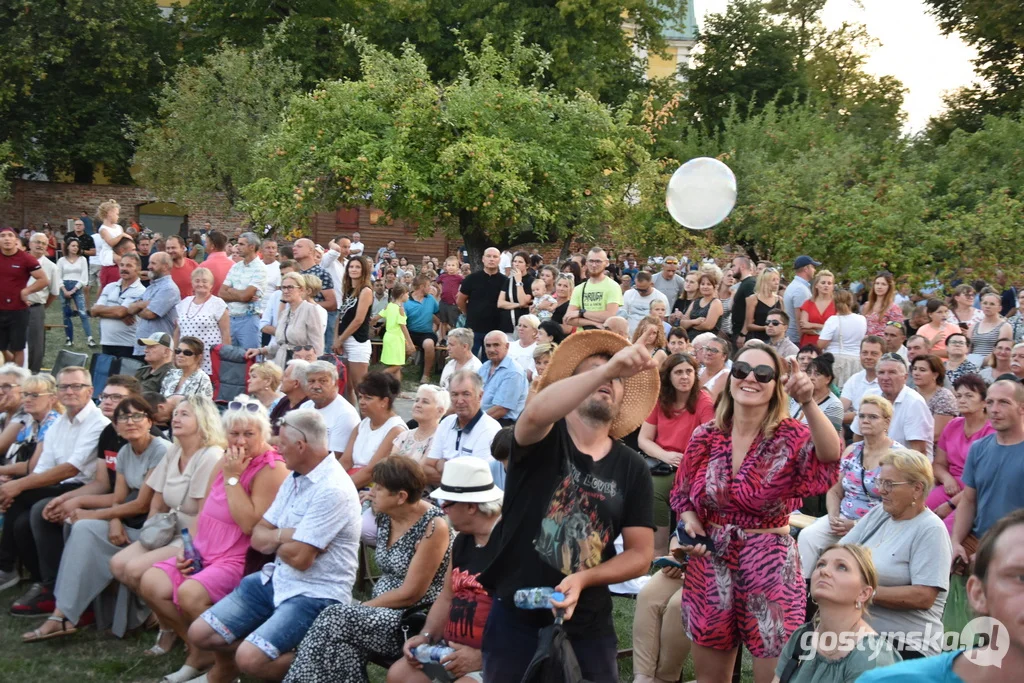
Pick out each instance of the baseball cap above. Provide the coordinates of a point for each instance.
(161, 338)
(802, 261)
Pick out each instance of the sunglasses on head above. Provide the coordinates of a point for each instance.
(762, 373)
(185, 352)
(248, 405)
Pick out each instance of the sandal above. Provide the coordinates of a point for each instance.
(185, 673)
(38, 635)
(157, 650)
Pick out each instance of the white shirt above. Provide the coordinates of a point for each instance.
(73, 441)
(105, 252)
(273, 276)
(113, 331)
(844, 334)
(452, 366)
(636, 306)
(523, 356)
(505, 263)
(50, 268)
(356, 249)
(368, 439)
(340, 417)
(451, 442)
(858, 386)
(335, 267)
(911, 419)
(242, 276)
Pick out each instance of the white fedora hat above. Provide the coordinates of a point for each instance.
(467, 480)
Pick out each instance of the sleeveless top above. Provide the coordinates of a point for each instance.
(698, 311)
(725, 322)
(982, 343)
(394, 561)
(347, 313)
(761, 318)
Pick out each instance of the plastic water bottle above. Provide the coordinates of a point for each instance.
(537, 598)
(426, 654)
(190, 551)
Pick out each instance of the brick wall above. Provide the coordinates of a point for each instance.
(34, 202)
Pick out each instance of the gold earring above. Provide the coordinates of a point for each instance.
(858, 605)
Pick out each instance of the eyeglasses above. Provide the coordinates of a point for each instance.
(284, 423)
(886, 485)
(249, 406)
(773, 323)
(125, 418)
(956, 342)
(34, 394)
(710, 351)
(185, 352)
(895, 357)
(109, 397)
(303, 347)
(72, 387)
(762, 373)
(7, 387)
(894, 323)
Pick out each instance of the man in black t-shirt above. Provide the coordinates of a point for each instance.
(478, 298)
(742, 270)
(571, 489)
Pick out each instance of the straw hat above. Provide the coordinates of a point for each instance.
(640, 392)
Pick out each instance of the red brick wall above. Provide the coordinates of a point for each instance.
(36, 202)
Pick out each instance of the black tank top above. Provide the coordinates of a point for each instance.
(347, 313)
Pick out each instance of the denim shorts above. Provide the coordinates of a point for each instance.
(249, 611)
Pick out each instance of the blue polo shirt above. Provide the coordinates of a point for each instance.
(936, 669)
(507, 388)
(163, 297)
(419, 315)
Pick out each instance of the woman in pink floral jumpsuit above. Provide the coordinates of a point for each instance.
(740, 478)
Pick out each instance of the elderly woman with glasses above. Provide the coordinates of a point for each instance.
(105, 523)
(244, 484)
(912, 553)
(187, 378)
(299, 324)
(39, 401)
(11, 410)
(740, 478)
(958, 346)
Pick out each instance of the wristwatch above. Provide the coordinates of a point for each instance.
(232, 481)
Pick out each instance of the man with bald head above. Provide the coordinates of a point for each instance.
(156, 310)
(308, 259)
(478, 298)
(505, 382)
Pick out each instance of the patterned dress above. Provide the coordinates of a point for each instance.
(342, 639)
(750, 587)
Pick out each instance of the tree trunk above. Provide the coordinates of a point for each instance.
(563, 254)
(474, 238)
(84, 172)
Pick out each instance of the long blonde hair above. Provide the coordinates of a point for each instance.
(763, 288)
(778, 406)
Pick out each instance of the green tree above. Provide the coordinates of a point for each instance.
(995, 28)
(209, 118)
(76, 72)
(589, 48)
(487, 157)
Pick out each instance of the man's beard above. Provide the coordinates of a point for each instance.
(596, 410)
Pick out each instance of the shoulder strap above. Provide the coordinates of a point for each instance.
(799, 653)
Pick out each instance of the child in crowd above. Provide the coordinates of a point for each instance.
(544, 304)
(450, 281)
(397, 342)
(659, 310)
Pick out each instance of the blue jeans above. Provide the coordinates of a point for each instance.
(249, 612)
(245, 331)
(69, 314)
(478, 345)
(332, 325)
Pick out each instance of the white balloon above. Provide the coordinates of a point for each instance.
(701, 193)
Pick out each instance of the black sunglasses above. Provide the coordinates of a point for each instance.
(762, 373)
(303, 347)
(185, 352)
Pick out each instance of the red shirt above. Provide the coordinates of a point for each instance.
(182, 276)
(15, 270)
(219, 264)
(674, 432)
(449, 287)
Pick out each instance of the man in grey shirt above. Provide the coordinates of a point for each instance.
(797, 292)
(312, 528)
(667, 282)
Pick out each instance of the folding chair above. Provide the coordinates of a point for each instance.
(67, 359)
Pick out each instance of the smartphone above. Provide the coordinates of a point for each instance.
(685, 539)
(663, 562)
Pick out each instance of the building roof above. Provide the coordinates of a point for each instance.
(687, 23)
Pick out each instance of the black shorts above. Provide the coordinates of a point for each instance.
(419, 337)
(13, 330)
(449, 314)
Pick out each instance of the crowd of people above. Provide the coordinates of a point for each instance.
(803, 460)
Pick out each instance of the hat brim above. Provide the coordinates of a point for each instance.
(639, 392)
(150, 342)
(489, 496)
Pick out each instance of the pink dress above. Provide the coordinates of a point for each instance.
(220, 541)
(876, 322)
(750, 587)
(956, 444)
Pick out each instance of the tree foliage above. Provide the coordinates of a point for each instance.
(490, 157)
(585, 38)
(995, 28)
(210, 116)
(76, 72)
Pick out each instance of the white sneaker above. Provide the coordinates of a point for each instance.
(9, 579)
(67, 343)
(91, 342)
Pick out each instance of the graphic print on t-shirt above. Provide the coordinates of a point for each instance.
(572, 535)
(469, 609)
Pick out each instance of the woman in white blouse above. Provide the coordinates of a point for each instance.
(73, 271)
(106, 238)
(521, 350)
(841, 336)
(203, 316)
(460, 354)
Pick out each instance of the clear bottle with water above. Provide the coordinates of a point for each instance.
(190, 551)
(537, 598)
(427, 654)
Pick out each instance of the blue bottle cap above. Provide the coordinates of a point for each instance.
(558, 596)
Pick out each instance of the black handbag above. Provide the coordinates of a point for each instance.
(413, 620)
